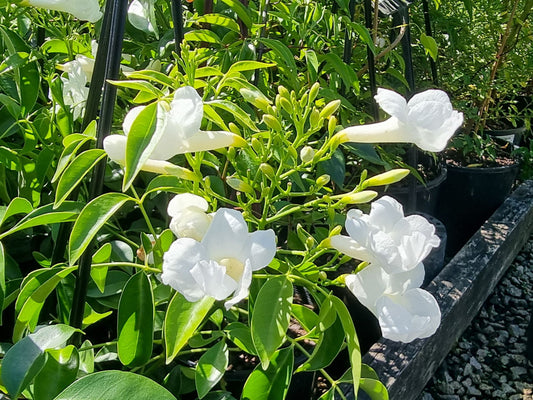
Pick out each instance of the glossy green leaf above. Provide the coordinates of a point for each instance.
(202, 35)
(210, 368)
(90, 316)
(247, 65)
(328, 346)
(32, 305)
(93, 216)
(18, 205)
(142, 139)
(220, 20)
(2, 279)
(241, 335)
(271, 317)
(136, 321)
(346, 73)
(75, 172)
(114, 385)
(272, 383)
(181, 321)
(114, 284)
(142, 86)
(154, 76)
(242, 12)
(430, 45)
(99, 274)
(237, 113)
(26, 358)
(305, 316)
(46, 215)
(86, 357)
(354, 351)
(374, 388)
(59, 371)
(283, 52)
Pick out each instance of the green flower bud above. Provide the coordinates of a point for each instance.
(313, 92)
(323, 180)
(234, 128)
(359, 198)
(332, 124)
(282, 90)
(286, 105)
(314, 118)
(272, 122)
(307, 153)
(303, 100)
(387, 178)
(330, 108)
(257, 145)
(268, 171)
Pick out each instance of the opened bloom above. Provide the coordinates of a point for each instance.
(86, 10)
(75, 90)
(178, 129)
(189, 217)
(386, 237)
(405, 312)
(141, 15)
(427, 120)
(221, 264)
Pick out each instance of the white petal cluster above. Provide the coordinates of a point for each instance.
(86, 10)
(389, 286)
(179, 132)
(189, 216)
(141, 15)
(75, 90)
(427, 120)
(221, 263)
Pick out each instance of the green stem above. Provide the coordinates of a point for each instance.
(128, 264)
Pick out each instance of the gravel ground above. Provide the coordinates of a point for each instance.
(488, 361)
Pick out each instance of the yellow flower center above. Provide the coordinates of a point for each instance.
(234, 268)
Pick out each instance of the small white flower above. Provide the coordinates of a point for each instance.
(141, 15)
(387, 238)
(86, 10)
(189, 217)
(427, 120)
(180, 126)
(307, 153)
(75, 90)
(404, 311)
(221, 264)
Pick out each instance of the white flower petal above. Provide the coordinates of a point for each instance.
(350, 247)
(183, 201)
(227, 235)
(208, 140)
(86, 10)
(115, 147)
(212, 279)
(243, 287)
(261, 248)
(392, 103)
(130, 117)
(186, 112)
(141, 15)
(367, 285)
(191, 223)
(404, 318)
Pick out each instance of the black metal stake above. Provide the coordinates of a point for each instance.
(429, 32)
(371, 61)
(112, 68)
(177, 19)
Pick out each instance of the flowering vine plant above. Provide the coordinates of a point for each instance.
(216, 240)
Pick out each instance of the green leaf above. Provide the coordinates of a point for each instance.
(31, 306)
(46, 215)
(430, 45)
(271, 317)
(210, 368)
(26, 358)
(142, 86)
(241, 335)
(220, 20)
(113, 385)
(247, 65)
(285, 55)
(136, 321)
(354, 351)
(2, 279)
(201, 35)
(75, 172)
(142, 139)
(114, 285)
(242, 12)
(346, 73)
(305, 316)
(272, 383)
(154, 76)
(59, 371)
(237, 112)
(93, 216)
(102, 255)
(18, 205)
(374, 388)
(327, 348)
(181, 321)
(335, 167)
(86, 358)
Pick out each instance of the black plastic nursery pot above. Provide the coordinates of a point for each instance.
(511, 135)
(468, 198)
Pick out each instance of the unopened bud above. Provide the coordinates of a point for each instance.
(314, 118)
(323, 180)
(307, 153)
(282, 90)
(359, 198)
(257, 145)
(272, 122)
(239, 185)
(330, 108)
(332, 124)
(286, 104)
(313, 92)
(234, 129)
(387, 178)
(303, 100)
(268, 171)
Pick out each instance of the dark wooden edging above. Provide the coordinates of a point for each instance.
(461, 289)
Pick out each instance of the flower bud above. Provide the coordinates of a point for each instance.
(313, 92)
(332, 124)
(286, 105)
(282, 90)
(303, 100)
(323, 180)
(268, 171)
(257, 145)
(359, 198)
(314, 118)
(307, 153)
(234, 129)
(272, 122)
(387, 178)
(330, 108)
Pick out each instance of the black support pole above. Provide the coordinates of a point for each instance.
(177, 19)
(371, 61)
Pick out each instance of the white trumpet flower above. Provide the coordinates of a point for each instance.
(221, 264)
(180, 133)
(86, 10)
(141, 15)
(427, 120)
(189, 216)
